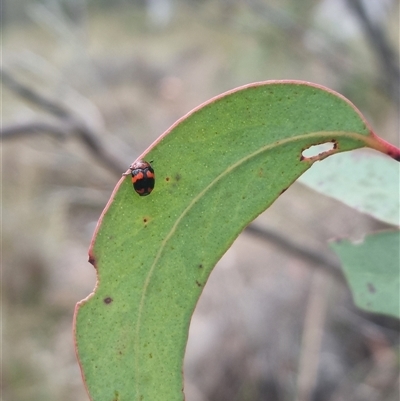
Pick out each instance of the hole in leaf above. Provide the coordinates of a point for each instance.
(315, 151)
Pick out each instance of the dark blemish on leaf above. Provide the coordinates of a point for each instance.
(200, 266)
(371, 288)
(178, 177)
(198, 283)
(145, 220)
(107, 300)
(166, 178)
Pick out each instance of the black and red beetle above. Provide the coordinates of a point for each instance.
(143, 178)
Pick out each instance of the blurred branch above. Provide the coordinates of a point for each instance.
(313, 332)
(29, 94)
(310, 255)
(34, 127)
(380, 45)
(68, 124)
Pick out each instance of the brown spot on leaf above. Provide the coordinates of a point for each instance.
(371, 288)
(166, 178)
(200, 266)
(107, 300)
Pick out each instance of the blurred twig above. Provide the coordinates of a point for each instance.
(310, 255)
(34, 127)
(387, 56)
(67, 124)
(313, 332)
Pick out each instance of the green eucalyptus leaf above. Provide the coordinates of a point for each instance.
(364, 180)
(216, 170)
(372, 269)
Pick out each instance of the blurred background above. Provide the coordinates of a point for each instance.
(86, 87)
